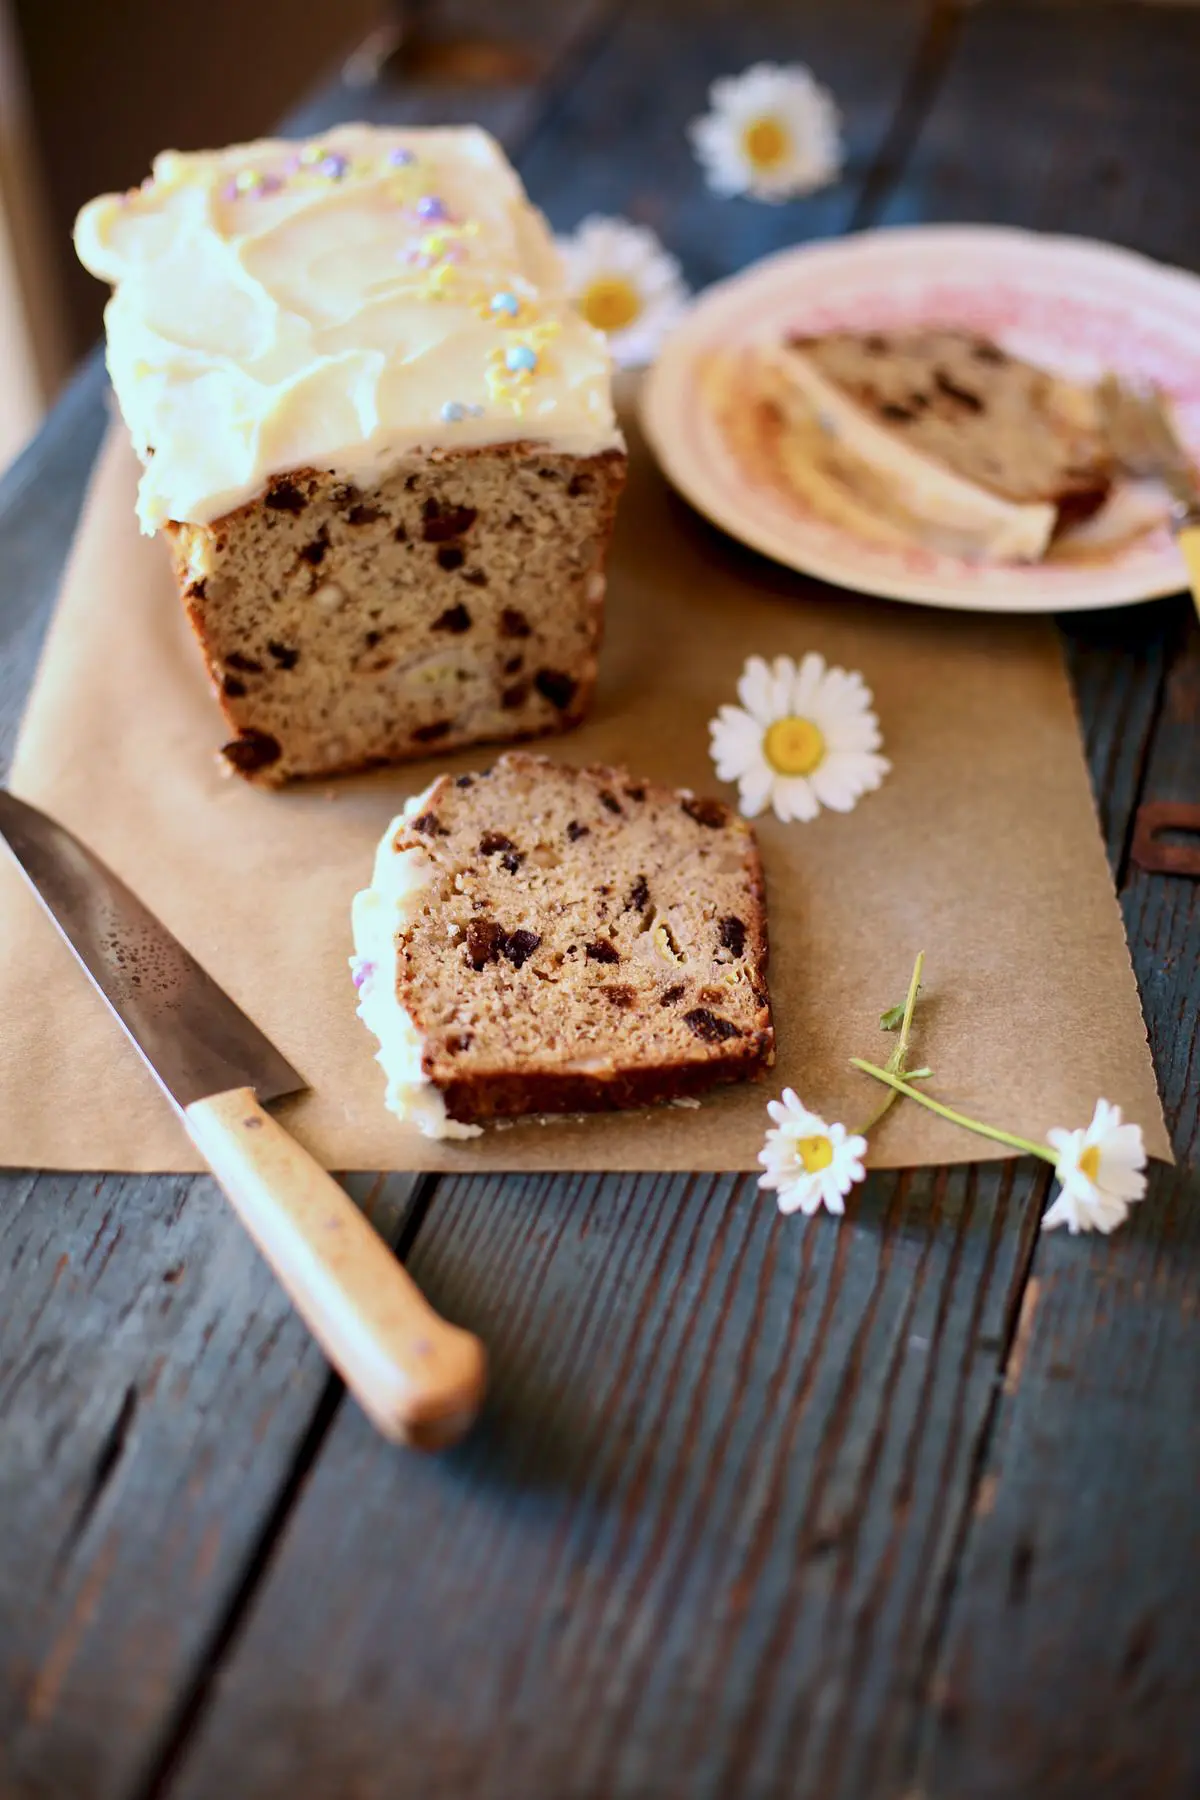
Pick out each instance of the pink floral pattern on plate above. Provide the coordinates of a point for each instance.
(1072, 305)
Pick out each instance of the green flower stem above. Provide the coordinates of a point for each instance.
(895, 1062)
(890, 1079)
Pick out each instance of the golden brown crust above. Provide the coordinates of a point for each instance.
(502, 1094)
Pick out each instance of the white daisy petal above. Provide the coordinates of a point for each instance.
(754, 791)
(842, 733)
(833, 787)
(754, 690)
(792, 797)
(806, 687)
(803, 738)
(771, 132)
(735, 743)
(625, 284)
(783, 680)
(1064, 1141)
(808, 1163)
(1101, 1171)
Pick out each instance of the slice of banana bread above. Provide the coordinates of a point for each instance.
(546, 939)
(983, 414)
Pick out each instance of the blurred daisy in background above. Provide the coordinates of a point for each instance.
(771, 132)
(804, 737)
(625, 284)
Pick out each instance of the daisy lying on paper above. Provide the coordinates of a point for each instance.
(809, 1163)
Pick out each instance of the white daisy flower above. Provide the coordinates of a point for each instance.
(772, 132)
(803, 738)
(1101, 1171)
(625, 284)
(809, 1164)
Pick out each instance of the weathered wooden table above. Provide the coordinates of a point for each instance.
(909, 1507)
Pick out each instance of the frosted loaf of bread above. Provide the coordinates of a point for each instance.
(374, 430)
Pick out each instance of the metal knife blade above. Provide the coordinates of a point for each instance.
(195, 1040)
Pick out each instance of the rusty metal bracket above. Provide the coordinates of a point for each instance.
(1149, 849)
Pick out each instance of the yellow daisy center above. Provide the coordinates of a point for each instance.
(765, 142)
(1089, 1162)
(794, 746)
(816, 1153)
(610, 303)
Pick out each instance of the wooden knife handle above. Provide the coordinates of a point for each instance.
(419, 1379)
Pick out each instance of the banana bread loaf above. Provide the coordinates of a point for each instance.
(542, 939)
(977, 450)
(378, 438)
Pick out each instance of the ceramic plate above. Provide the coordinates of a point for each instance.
(1074, 306)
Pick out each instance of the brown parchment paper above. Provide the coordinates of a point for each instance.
(982, 849)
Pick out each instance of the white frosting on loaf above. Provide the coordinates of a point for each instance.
(335, 304)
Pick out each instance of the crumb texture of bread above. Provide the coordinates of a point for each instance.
(989, 417)
(459, 601)
(569, 940)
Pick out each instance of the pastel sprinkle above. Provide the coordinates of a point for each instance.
(430, 207)
(520, 358)
(334, 165)
(363, 971)
(245, 179)
(506, 303)
(400, 158)
(453, 411)
(313, 153)
(270, 184)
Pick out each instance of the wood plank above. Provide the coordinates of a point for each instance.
(155, 1393)
(463, 62)
(1118, 664)
(1162, 913)
(692, 1549)
(621, 147)
(1065, 119)
(158, 1401)
(40, 497)
(1064, 1656)
(1073, 1637)
(1073, 1633)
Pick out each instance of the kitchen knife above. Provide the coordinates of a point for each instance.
(418, 1378)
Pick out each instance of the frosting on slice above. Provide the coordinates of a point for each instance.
(936, 504)
(335, 304)
(379, 915)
